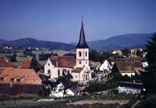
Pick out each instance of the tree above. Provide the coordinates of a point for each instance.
(98, 56)
(13, 58)
(126, 52)
(115, 73)
(35, 65)
(65, 79)
(149, 78)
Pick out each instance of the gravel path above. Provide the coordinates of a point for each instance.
(81, 102)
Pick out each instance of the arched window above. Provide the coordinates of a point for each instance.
(18, 80)
(49, 71)
(59, 72)
(79, 53)
(86, 53)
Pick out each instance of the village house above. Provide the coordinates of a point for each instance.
(104, 70)
(130, 88)
(77, 66)
(19, 82)
(129, 66)
(117, 52)
(5, 63)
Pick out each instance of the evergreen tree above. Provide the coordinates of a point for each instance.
(115, 73)
(35, 65)
(150, 73)
(98, 56)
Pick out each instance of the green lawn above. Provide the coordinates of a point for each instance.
(61, 103)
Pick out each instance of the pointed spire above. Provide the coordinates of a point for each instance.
(82, 41)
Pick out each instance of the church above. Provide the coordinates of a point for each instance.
(77, 66)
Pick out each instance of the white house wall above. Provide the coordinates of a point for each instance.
(128, 74)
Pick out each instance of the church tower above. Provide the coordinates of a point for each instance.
(82, 50)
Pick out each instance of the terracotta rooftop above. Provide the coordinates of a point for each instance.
(26, 64)
(5, 63)
(19, 76)
(63, 61)
(128, 65)
(124, 67)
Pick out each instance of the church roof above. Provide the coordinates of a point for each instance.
(82, 41)
(63, 61)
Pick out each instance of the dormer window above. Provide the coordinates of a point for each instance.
(18, 80)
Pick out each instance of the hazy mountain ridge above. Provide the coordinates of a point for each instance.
(112, 43)
(34, 43)
(122, 42)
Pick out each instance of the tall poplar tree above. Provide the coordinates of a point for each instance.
(150, 71)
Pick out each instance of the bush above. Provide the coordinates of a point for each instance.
(100, 86)
(149, 102)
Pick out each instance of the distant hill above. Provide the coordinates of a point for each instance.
(34, 43)
(121, 42)
(112, 43)
(1, 41)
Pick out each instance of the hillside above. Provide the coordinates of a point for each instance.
(121, 42)
(112, 43)
(34, 43)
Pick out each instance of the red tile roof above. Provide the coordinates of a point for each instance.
(19, 76)
(128, 65)
(5, 63)
(26, 64)
(63, 61)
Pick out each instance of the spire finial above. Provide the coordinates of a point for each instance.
(82, 41)
(82, 20)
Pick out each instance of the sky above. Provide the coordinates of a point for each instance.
(60, 20)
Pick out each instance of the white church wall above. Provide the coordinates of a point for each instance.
(82, 57)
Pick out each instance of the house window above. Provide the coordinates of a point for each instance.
(1, 78)
(75, 76)
(49, 71)
(18, 80)
(86, 77)
(83, 77)
(64, 72)
(86, 53)
(58, 72)
(12, 79)
(79, 53)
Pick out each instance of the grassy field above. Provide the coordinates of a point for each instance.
(58, 104)
(62, 103)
